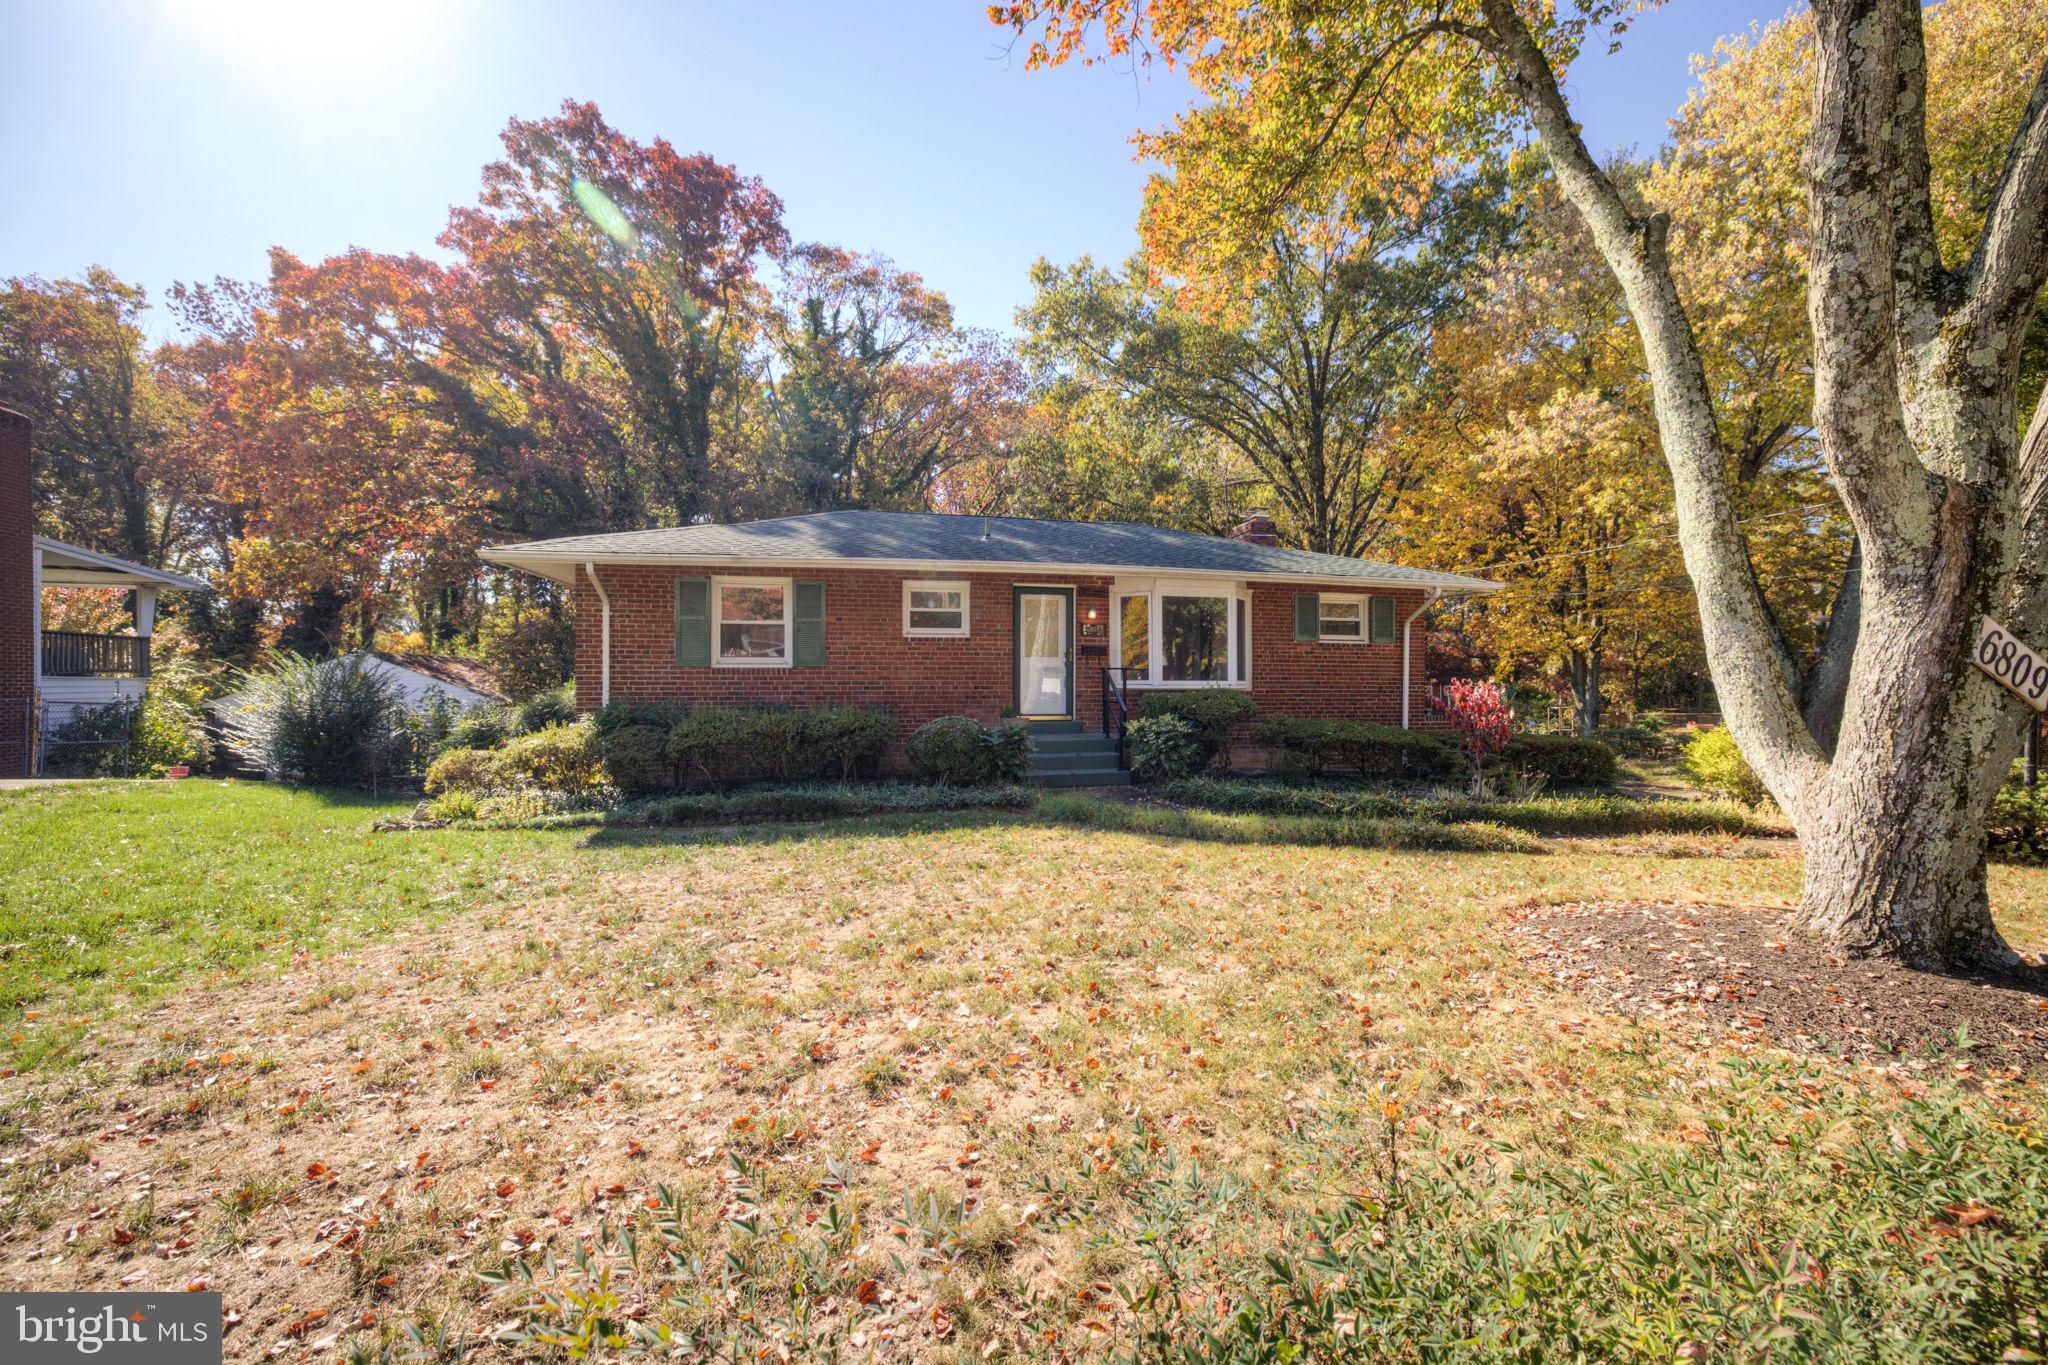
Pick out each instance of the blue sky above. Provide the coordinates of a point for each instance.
(180, 139)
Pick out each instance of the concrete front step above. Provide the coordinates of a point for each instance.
(1053, 727)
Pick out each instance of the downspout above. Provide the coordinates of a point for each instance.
(604, 645)
(1408, 648)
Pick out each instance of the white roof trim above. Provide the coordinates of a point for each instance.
(563, 569)
(94, 569)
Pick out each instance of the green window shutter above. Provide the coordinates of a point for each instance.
(1307, 616)
(1383, 620)
(693, 623)
(807, 620)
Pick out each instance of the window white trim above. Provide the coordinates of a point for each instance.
(718, 587)
(1364, 605)
(1155, 590)
(960, 586)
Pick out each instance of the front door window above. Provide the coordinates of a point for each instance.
(1042, 681)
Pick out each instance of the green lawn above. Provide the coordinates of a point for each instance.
(953, 1086)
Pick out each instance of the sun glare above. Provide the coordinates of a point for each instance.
(295, 38)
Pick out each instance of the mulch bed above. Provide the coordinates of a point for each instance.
(1743, 974)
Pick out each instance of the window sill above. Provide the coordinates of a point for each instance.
(1138, 685)
(750, 663)
(935, 635)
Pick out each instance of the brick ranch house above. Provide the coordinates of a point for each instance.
(930, 614)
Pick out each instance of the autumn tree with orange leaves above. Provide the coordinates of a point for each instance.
(1916, 345)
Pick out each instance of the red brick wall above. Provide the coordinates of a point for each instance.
(17, 606)
(870, 662)
(868, 659)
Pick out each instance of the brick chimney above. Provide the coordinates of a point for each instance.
(18, 642)
(1256, 529)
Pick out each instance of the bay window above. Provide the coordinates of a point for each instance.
(1174, 634)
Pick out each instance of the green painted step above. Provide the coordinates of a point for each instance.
(1072, 744)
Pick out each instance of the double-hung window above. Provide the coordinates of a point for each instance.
(753, 622)
(937, 610)
(1340, 618)
(1172, 634)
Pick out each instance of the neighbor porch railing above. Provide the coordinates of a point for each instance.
(76, 654)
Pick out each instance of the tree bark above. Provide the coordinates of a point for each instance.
(1915, 372)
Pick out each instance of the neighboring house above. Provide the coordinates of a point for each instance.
(419, 678)
(1062, 623)
(47, 676)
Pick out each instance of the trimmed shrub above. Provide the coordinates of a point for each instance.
(960, 751)
(1563, 758)
(561, 758)
(1712, 761)
(1374, 750)
(557, 706)
(636, 756)
(662, 715)
(707, 743)
(332, 723)
(1165, 748)
(462, 770)
(722, 745)
(482, 727)
(1213, 712)
(846, 741)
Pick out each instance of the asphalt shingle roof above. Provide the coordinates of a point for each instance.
(942, 538)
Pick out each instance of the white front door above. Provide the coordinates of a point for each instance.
(1044, 683)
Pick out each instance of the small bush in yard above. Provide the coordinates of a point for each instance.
(332, 723)
(482, 727)
(561, 758)
(1165, 748)
(962, 752)
(2019, 820)
(722, 745)
(1213, 712)
(616, 715)
(1712, 761)
(1563, 758)
(845, 741)
(556, 706)
(1373, 750)
(637, 758)
(462, 770)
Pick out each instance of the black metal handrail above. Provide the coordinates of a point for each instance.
(78, 654)
(1116, 709)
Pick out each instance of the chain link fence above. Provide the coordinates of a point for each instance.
(86, 741)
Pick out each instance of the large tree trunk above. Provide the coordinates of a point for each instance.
(1915, 389)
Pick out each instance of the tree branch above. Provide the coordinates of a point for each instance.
(2008, 267)
(1755, 693)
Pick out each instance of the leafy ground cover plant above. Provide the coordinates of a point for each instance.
(1792, 1220)
(1165, 748)
(1553, 815)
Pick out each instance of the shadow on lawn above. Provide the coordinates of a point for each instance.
(1092, 814)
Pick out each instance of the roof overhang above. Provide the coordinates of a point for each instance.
(73, 566)
(562, 569)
